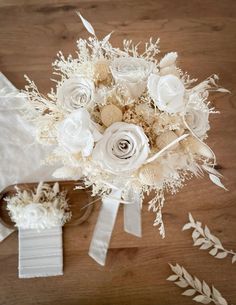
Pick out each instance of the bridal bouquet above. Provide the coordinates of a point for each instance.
(126, 122)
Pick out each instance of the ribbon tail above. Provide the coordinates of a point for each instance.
(132, 214)
(104, 227)
(4, 232)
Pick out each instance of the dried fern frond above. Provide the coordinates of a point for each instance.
(200, 291)
(206, 240)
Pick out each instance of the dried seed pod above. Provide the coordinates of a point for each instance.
(156, 127)
(196, 147)
(102, 71)
(111, 114)
(179, 132)
(166, 138)
(151, 174)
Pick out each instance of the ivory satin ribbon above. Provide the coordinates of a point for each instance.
(106, 221)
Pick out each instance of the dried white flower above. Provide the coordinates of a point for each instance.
(167, 92)
(76, 92)
(77, 133)
(198, 121)
(123, 147)
(132, 74)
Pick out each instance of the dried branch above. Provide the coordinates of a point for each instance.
(200, 291)
(206, 240)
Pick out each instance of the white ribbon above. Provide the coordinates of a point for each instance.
(132, 214)
(106, 220)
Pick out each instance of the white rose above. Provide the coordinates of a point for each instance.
(33, 216)
(167, 92)
(77, 133)
(76, 92)
(123, 147)
(198, 121)
(132, 74)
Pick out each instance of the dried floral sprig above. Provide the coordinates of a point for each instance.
(156, 204)
(200, 290)
(206, 240)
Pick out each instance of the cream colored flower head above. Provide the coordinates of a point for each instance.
(76, 92)
(77, 133)
(132, 74)
(198, 121)
(123, 148)
(167, 92)
(32, 216)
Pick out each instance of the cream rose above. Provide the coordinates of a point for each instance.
(132, 74)
(123, 147)
(32, 216)
(77, 133)
(167, 92)
(76, 92)
(198, 121)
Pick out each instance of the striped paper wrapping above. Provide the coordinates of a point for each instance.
(40, 252)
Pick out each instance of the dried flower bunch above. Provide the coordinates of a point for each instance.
(125, 119)
(44, 208)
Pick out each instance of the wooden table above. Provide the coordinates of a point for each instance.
(204, 34)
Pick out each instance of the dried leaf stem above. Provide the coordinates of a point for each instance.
(200, 291)
(206, 240)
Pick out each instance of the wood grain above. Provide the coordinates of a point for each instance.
(204, 34)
